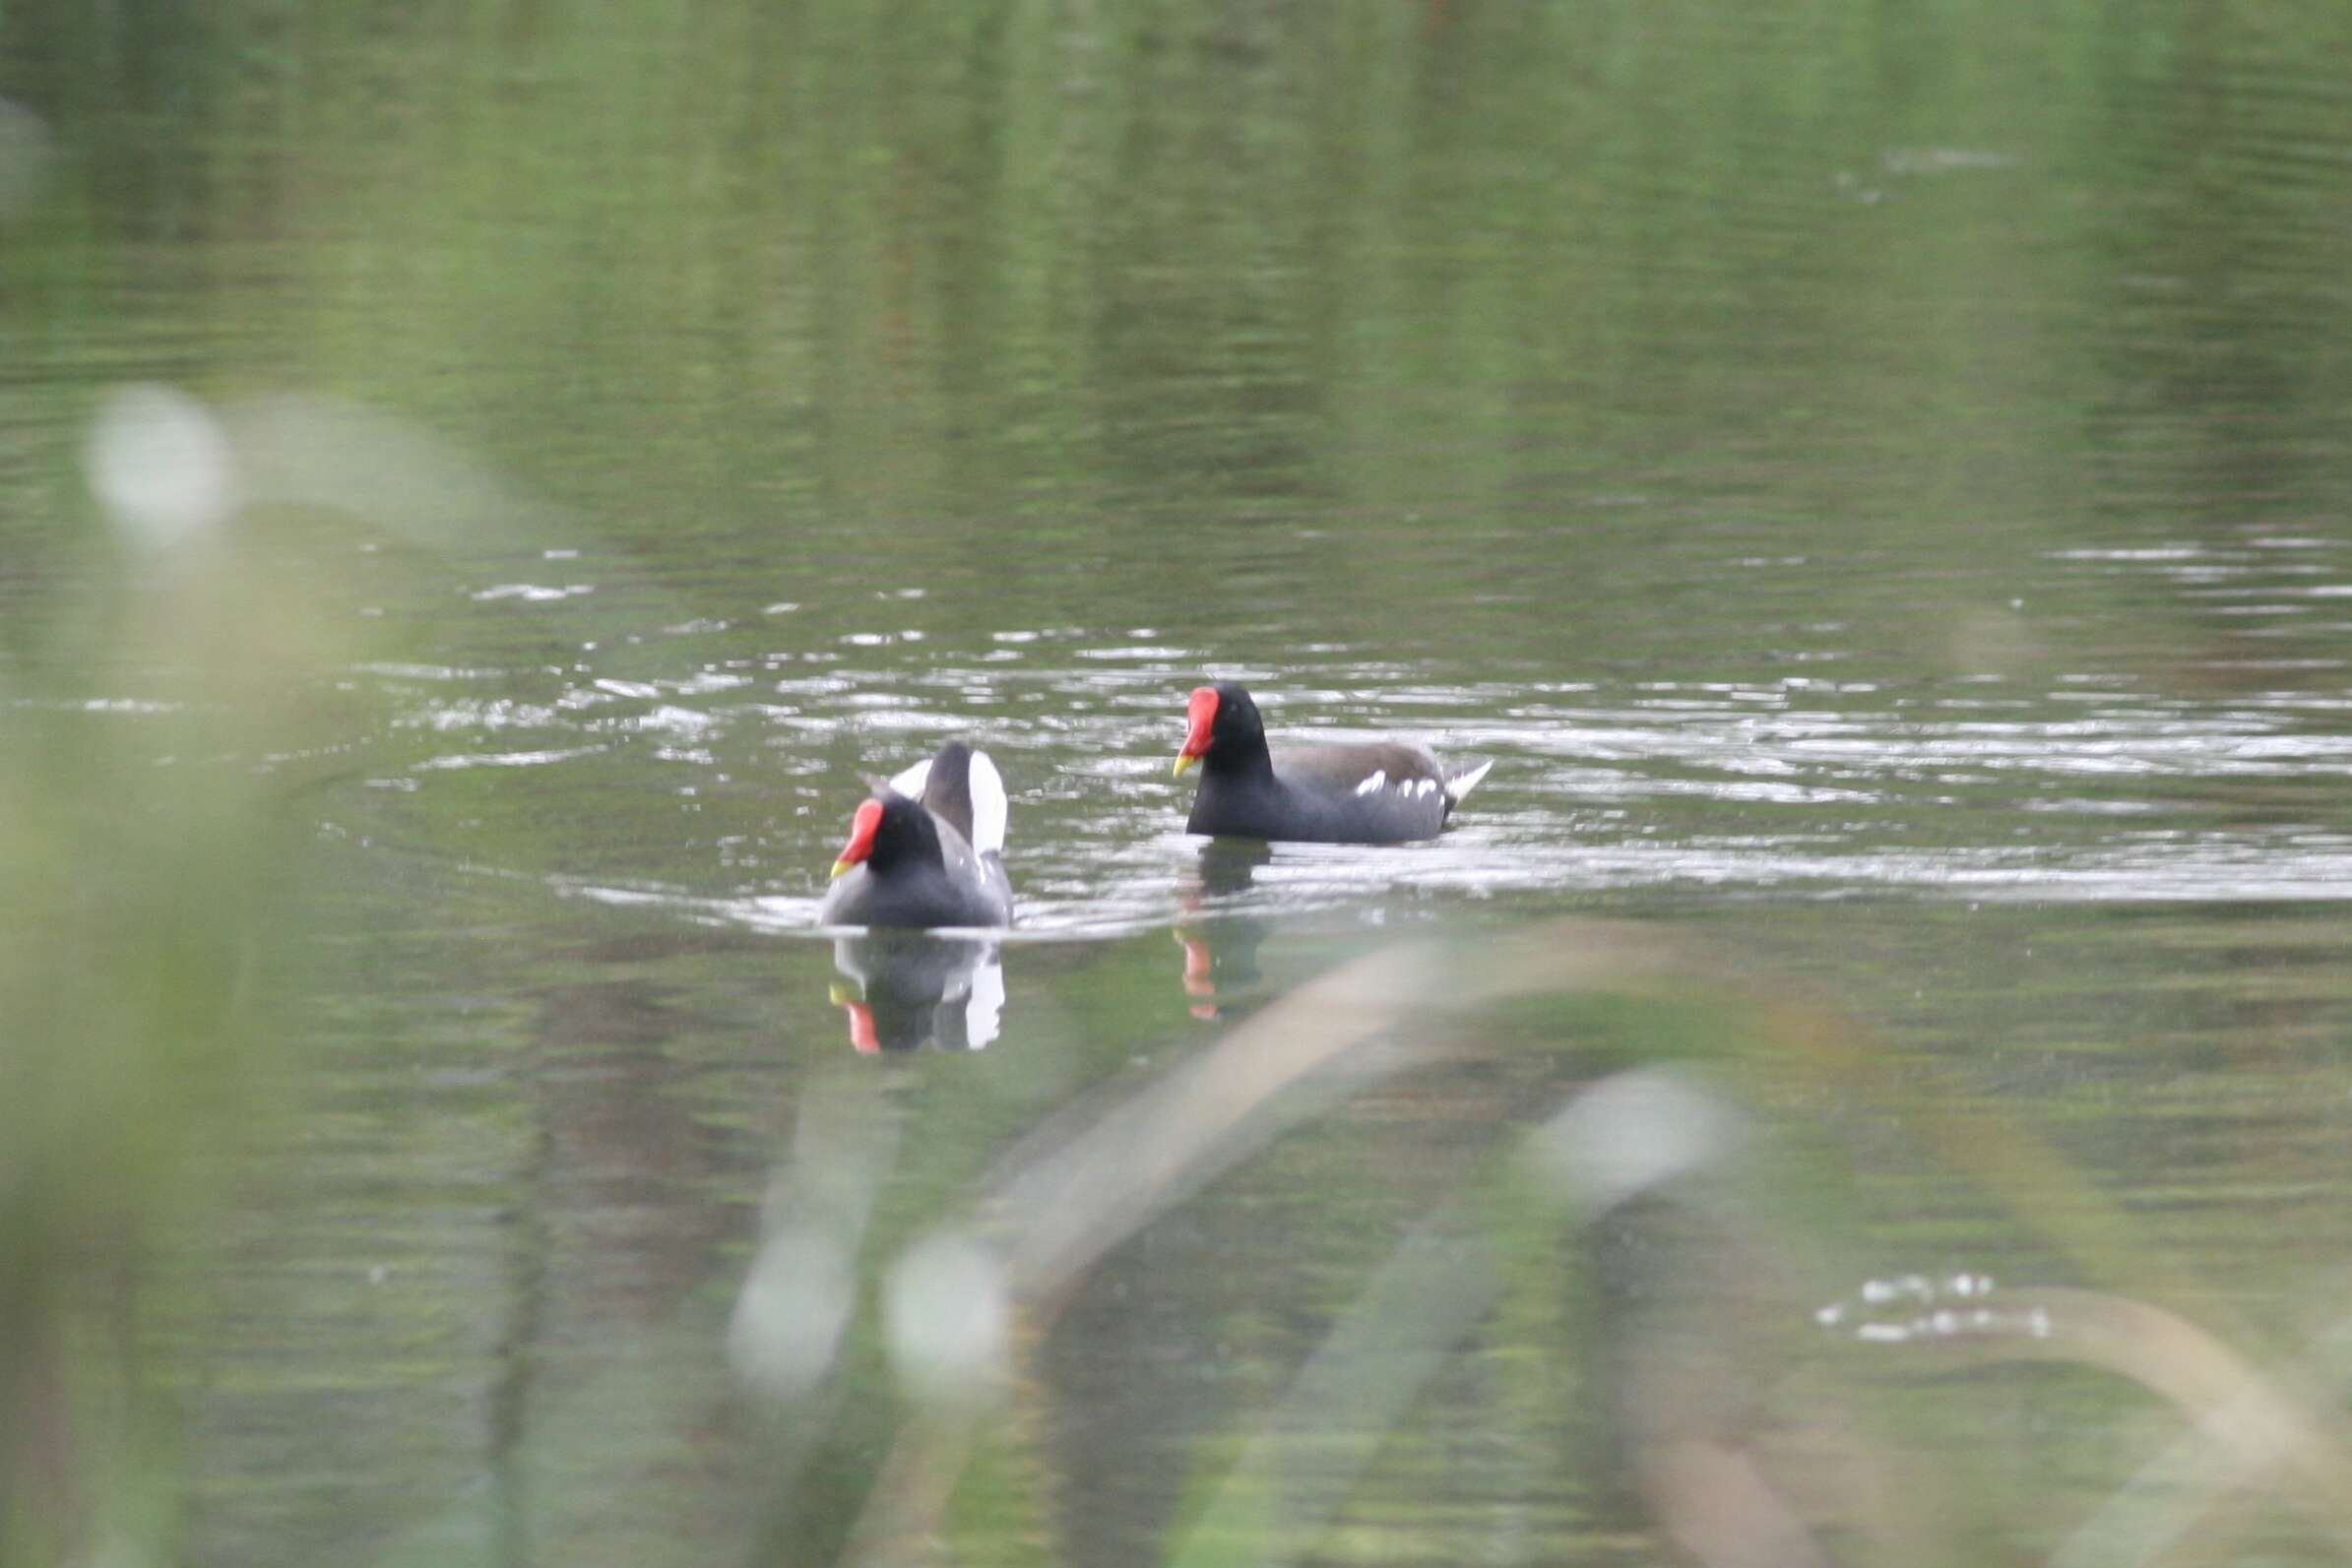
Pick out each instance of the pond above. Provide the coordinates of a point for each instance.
(1861, 1078)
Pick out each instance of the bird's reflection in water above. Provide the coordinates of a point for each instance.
(1219, 951)
(1226, 867)
(907, 988)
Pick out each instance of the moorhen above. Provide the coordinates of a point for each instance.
(928, 849)
(1384, 792)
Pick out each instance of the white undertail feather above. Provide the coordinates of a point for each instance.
(988, 808)
(984, 1004)
(1461, 783)
(909, 784)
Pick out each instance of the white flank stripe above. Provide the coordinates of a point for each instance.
(1379, 777)
(988, 809)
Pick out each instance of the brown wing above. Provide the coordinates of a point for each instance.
(1340, 769)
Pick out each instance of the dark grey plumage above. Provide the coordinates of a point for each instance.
(1380, 793)
(931, 858)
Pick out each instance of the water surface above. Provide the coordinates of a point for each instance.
(1875, 487)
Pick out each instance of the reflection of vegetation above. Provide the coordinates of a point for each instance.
(1637, 1274)
(1744, 1441)
(1136, 264)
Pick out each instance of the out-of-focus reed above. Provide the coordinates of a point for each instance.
(1750, 1435)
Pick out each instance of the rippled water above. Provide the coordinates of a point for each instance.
(1805, 768)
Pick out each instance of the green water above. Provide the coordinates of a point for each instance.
(1873, 479)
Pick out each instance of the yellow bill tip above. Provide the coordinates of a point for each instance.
(842, 868)
(1183, 763)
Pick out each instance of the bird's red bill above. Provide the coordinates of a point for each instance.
(1200, 716)
(863, 828)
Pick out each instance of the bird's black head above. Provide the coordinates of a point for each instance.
(1222, 728)
(887, 831)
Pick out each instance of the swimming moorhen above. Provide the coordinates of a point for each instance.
(928, 849)
(1385, 793)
